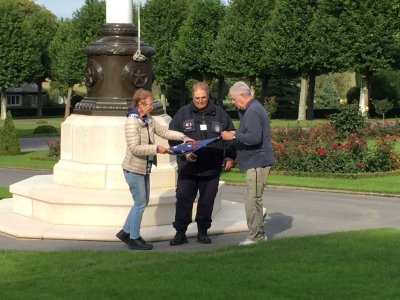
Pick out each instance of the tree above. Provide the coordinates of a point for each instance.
(66, 55)
(238, 48)
(42, 25)
(16, 55)
(193, 51)
(88, 21)
(161, 20)
(382, 107)
(365, 32)
(327, 97)
(289, 45)
(9, 144)
(67, 48)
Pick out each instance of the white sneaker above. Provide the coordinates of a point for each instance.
(249, 241)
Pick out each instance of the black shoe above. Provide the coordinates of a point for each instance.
(202, 237)
(139, 244)
(179, 239)
(123, 236)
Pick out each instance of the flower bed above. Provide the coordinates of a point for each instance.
(323, 150)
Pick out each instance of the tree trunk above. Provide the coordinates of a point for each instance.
(163, 98)
(39, 98)
(310, 97)
(365, 92)
(303, 96)
(252, 83)
(220, 100)
(68, 102)
(264, 85)
(3, 106)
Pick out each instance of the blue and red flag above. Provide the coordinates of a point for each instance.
(191, 146)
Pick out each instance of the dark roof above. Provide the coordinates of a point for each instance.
(24, 88)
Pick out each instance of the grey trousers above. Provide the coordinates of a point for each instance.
(255, 183)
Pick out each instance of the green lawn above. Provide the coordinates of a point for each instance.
(347, 265)
(25, 127)
(379, 184)
(4, 192)
(28, 160)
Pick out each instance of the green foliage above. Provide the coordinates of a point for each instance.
(18, 58)
(88, 21)
(42, 26)
(192, 53)
(68, 59)
(364, 43)
(161, 20)
(289, 41)
(67, 55)
(238, 47)
(45, 129)
(9, 144)
(383, 106)
(270, 105)
(322, 150)
(54, 148)
(327, 97)
(348, 120)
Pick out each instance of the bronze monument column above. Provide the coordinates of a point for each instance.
(112, 76)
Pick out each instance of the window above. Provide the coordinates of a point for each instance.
(33, 100)
(14, 100)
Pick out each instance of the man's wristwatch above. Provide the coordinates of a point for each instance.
(234, 137)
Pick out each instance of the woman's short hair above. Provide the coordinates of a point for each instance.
(140, 95)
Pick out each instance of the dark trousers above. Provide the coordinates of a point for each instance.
(186, 192)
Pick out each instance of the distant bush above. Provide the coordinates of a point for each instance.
(45, 129)
(270, 105)
(54, 148)
(9, 144)
(348, 120)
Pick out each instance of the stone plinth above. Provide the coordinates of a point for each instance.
(87, 197)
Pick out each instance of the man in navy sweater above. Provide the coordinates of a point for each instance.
(254, 155)
(199, 171)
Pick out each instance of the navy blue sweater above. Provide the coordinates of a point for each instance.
(188, 120)
(253, 138)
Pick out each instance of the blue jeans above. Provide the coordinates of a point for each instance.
(139, 186)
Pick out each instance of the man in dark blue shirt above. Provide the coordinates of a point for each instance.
(199, 171)
(254, 154)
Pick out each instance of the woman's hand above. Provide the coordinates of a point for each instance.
(162, 150)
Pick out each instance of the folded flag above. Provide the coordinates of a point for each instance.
(191, 146)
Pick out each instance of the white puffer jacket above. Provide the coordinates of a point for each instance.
(138, 146)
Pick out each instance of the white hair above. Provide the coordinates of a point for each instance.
(240, 87)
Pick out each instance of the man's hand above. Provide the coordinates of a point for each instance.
(191, 157)
(228, 163)
(186, 139)
(228, 135)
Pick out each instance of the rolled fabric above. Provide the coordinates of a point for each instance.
(191, 146)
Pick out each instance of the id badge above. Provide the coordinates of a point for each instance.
(203, 127)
